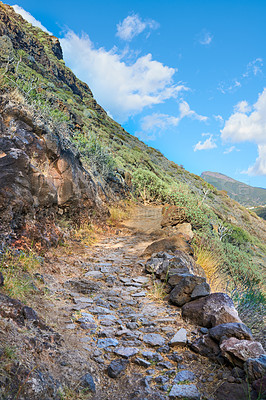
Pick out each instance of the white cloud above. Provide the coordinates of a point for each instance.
(254, 68)
(154, 124)
(204, 37)
(122, 88)
(248, 124)
(132, 26)
(207, 145)
(259, 168)
(230, 149)
(158, 121)
(242, 107)
(218, 118)
(28, 17)
(185, 111)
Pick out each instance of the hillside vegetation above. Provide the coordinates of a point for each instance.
(33, 76)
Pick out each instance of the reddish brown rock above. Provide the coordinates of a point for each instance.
(173, 215)
(238, 351)
(212, 310)
(173, 243)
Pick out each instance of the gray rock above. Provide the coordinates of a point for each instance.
(94, 274)
(180, 338)
(29, 314)
(231, 329)
(87, 383)
(234, 391)
(181, 294)
(141, 279)
(142, 362)
(83, 286)
(82, 300)
(150, 355)
(116, 367)
(153, 339)
(126, 352)
(87, 318)
(201, 290)
(189, 392)
(165, 364)
(184, 376)
(140, 294)
(206, 346)
(256, 368)
(104, 343)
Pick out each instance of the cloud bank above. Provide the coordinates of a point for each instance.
(120, 87)
(248, 124)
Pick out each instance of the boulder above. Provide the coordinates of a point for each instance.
(173, 215)
(212, 310)
(181, 294)
(201, 290)
(231, 329)
(260, 387)
(234, 391)
(238, 351)
(256, 368)
(206, 347)
(177, 242)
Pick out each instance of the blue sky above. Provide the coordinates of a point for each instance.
(186, 77)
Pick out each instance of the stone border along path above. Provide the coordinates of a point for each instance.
(143, 343)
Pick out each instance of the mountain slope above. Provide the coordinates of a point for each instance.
(247, 195)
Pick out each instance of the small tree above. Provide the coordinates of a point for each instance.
(148, 186)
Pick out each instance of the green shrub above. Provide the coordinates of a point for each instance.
(148, 186)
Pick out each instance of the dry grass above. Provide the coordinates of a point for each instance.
(84, 233)
(210, 262)
(157, 291)
(120, 212)
(17, 270)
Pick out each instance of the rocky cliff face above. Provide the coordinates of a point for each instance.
(41, 174)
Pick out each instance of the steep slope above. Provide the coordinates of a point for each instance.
(247, 195)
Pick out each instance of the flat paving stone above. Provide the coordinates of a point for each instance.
(184, 376)
(141, 279)
(154, 339)
(126, 352)
(140, 294)
(107, 342)
(180, 338)
(94, 274)
(189, 392)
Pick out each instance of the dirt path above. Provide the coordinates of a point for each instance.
(107, 309)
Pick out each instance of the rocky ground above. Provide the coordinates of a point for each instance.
(111, 335)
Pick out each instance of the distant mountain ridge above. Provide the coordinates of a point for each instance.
(244, 194)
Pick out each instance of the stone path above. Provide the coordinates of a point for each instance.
(128, 334)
